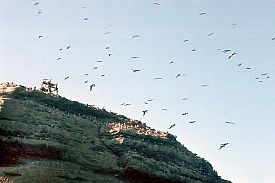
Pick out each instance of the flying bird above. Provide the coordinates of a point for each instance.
(85, 18)
(225, 51)
(107, 32)
(144, 112)
(39, 12)
(172, 126)
(156, 4)
(135, 57)
(91, 87)
(150, 100)
(95, 68)
(86, 81)
(264, 74)
(247, 68)
(135, 70)
(135, 36)
(171, 62)
(203, 13)
(193, 50)
(60, 49)
(232, 54)
(240, 64)
(184, 99)
(210, 34)
(110, 54)
(99, 61)
(67, 77)
(273, 39)
(40, 37)
(229, 122)
(36, 3)
(186, 40)
(164, 109)
(68, 47)
(178, 75)
(204, 85)
(223, 145)
(192, 122)
(59, 58)
(184, 114)
(158, 78)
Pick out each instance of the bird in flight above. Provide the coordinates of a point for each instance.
(67, 77)
(144, 112)
(158, 78)
(135, 36)
(39, 12)
(135, 70)
(210, 34)
(60, 49)
(247, 68)
(171, 62)
(229, 122)
(135, 57)
(110, 54)
(193, 50)
(68, 47)
(186, 40)
(99, 61)
(264, 74)
(232, 54)
(172, 126)
(273, 39)
(150, 100)
(240, 64)
(164, 109)
(86, 81)
(184, 114)
(95, 68)
(107, 32)
(192, 121)
(91, 87)
(225, 51)
(36, 3)
(59, 58)
(223, 145)
(184, 99)
(203, 13)
(204, 85)
(40, 37)
(178, 75)
(85, 18)
(156, 4)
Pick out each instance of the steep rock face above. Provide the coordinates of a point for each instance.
(45, 138)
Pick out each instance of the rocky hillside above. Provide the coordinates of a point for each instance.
(47, 138)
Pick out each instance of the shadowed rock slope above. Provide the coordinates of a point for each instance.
(45, 138)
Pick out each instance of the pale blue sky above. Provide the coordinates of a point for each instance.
(233, 93)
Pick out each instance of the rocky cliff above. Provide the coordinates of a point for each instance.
(46, 138)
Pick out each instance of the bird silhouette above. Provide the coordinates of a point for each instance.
(186, 40)
(36, 3)
(156, 4)
(204, 85)
(232, 54)
(150, 100)
(193, 50)
(135, 70)
(203, 13)
(158, 78)
(91, 87)
(59, 58)
(172, 126)
(273, 39)
(210, 34)
(164, 109)
(144, 112)
(67, 77)
(184, 114)
(40, 37)
(135, 36)
(184, 99)
(225, 51)
(192, 122)
(99, 61)
(135, 57)
(68, 47)
(223, 145)
(240, 64)
(229, 122)
(86, 81)
(86, 18)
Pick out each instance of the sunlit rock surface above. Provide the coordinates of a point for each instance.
(46, 138)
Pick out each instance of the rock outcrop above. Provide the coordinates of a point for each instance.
(46, 138)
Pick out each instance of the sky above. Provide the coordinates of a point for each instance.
(232, 93)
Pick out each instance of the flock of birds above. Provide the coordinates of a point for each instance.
(229, 52)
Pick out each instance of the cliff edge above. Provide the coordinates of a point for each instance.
(48, 138)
